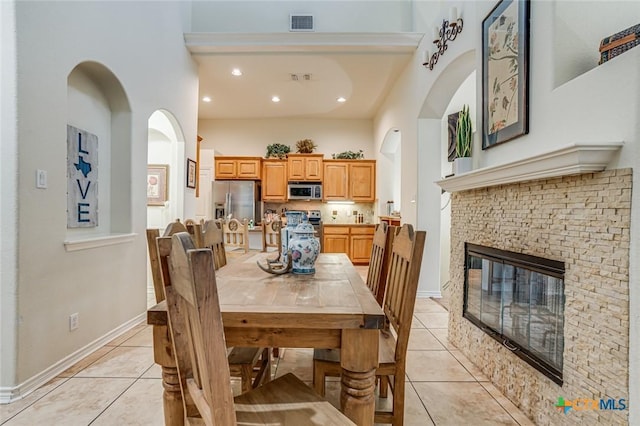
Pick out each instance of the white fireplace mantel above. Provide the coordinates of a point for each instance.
(568, 160)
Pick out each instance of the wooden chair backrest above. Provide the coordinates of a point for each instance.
(402, 284)
(195, 230)
(154, 257)
(197, 330)
(271, 234)
(214, 239)
(236, 234)
(379, 260)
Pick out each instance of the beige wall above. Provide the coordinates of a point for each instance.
(251, 136)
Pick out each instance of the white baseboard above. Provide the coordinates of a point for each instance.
(426, 294)
(11, 394)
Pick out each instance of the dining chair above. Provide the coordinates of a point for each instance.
(379, 259)
(213, 238)
(398, 306)
(236, 234)
(195, 230)
(154, 258)
(252, 365)
(196, 325)
(271, 235)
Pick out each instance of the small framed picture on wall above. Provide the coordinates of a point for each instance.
(191, 173)
(157, 184)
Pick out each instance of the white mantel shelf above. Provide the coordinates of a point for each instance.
(569, 160)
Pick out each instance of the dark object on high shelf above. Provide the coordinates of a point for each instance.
(618, 43)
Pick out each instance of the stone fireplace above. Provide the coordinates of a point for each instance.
(582, 221)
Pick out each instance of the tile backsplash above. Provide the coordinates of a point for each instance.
(331, 213)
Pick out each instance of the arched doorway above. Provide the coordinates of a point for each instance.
(432, 205)
(165, 183)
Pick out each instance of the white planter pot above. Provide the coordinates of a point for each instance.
(462, 165)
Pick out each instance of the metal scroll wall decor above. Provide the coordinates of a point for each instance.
(448, 31)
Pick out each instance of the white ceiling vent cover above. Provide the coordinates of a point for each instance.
(301, 22)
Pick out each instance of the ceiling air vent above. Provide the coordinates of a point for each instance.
(301, 22)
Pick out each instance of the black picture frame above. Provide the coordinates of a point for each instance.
(505, 72)
(191, 173)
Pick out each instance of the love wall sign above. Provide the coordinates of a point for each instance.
(82, 178)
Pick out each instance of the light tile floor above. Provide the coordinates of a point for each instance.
(120, 385)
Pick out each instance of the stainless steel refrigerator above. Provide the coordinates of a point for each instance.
(240, 198)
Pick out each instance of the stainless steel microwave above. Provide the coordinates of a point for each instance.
(305, 191)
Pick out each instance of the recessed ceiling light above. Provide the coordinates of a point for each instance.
(341, 99)
(275, 99)
(236, 72)
(206, 99)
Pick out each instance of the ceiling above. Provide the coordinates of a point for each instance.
(362, 68)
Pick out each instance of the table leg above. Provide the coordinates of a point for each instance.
(172, 396)
(359, 360)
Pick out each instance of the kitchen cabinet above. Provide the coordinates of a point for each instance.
(228, 167)
(354, 240)
(305, 167)
(349, 180)
(274, 180)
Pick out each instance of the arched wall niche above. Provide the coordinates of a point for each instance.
(97, 103)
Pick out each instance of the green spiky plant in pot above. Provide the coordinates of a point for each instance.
(464, 140)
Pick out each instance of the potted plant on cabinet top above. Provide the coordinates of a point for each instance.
(464, 140)
(305, 146)
(278, 150)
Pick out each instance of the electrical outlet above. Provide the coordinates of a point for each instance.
(74, 322)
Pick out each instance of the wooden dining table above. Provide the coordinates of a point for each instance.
(332, 308)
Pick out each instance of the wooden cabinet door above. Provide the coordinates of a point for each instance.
(362, 180)
(296, 168)
(248, 169)
(225, 168)
(313, 168)
(335, 184)
(335, 239)
(360, 243)
(274, 180)
(335, 244)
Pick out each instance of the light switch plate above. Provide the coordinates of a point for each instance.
(41, 179)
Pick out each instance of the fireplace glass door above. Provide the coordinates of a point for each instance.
(518, 300)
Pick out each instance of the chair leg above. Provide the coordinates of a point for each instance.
(264, 368)
(246, 375)
(384, 386)
(398, 400)
(276, 352)
(318, 378)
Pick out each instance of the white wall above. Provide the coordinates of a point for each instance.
(251, 137)
(8, 195)
(145, 53)
(329, 16)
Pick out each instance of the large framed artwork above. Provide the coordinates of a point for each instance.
(505, 72)
(157, 184)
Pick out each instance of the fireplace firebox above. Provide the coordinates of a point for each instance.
(518, 300)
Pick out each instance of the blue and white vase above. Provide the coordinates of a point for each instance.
(304, 248)
(294, 217)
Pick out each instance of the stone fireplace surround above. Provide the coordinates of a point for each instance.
(584, 221)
